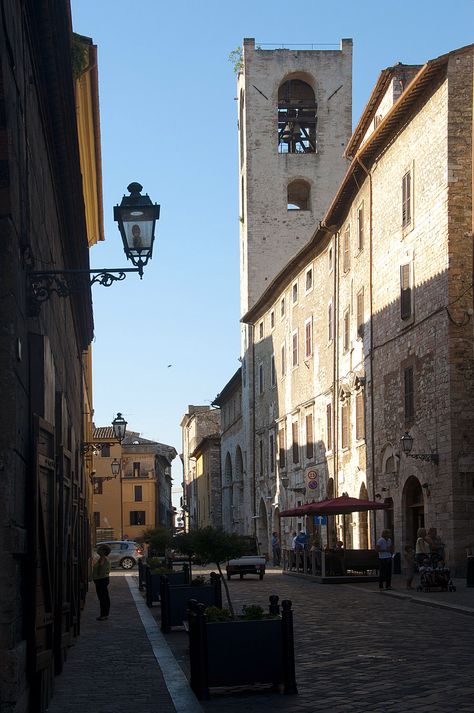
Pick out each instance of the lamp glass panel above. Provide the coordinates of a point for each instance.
(138, 223)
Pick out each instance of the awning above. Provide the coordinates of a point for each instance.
(343, 505)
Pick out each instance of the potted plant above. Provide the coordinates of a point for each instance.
(175, 597)
(156, 569)
(255, 648)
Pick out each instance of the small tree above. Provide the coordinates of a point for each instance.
(236, 58)
(210, 544)
(158, 539)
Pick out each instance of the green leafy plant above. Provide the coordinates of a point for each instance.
(210, 544)
(158, 539)
(252, 612)
(161, 570)
(214, 614)
(199, 581)
(236, 57)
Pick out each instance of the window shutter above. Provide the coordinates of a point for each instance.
(309, 436)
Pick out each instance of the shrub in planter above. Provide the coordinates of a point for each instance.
(153, 580)
(241, 651)
(175, 598)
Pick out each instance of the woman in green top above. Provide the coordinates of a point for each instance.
(100, 575)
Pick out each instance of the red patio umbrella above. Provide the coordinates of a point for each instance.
(343, 505)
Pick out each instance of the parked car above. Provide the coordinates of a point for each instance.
(123, 553)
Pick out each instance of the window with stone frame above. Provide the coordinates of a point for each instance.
(138, 493)
(136, 469)
(346, 249)
(272, 370)
(360, 415)
(329, 427)
(260, 330)
(346, 335)
(297, 117)
(96, 519)
(406, 291)
(282, 307)
(261, 457)
(406, 199)
(98, 485)
(409, 394)
(309, 437)
(360, 314)
(330, 322)
(309, 279)
(283, 360)
(294, 349)
(294, 293)
(272, 319)
(282, 447)
(137, 517)
(271, 452)
(261, 384)
(360, 227)
(308, 338)
(345, 424)
(295, 442)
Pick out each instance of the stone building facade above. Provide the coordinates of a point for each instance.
(367, 333)
(295, 112)
(197, 424)
(233, 466)
(47, 222)
(207, 457)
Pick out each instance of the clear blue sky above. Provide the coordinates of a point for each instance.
(168, 120)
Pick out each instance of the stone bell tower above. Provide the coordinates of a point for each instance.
(295, 119)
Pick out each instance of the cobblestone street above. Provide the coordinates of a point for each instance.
(361, 650)
(357, 650)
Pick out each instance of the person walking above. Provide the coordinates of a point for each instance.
(276, 549)
(422, 547)
(385, 548)
(100, 575)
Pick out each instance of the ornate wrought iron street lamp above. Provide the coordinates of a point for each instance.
(119, 425)
(407, 444)
(136, 217)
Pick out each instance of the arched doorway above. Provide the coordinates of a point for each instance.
(413, 509)
(227, 495)
(363, 521)
(262, 529)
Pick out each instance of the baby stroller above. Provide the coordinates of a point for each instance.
(434, 575)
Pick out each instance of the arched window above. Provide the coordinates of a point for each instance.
(298, 195)
(297, 117)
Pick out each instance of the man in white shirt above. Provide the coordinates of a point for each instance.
(384, 547)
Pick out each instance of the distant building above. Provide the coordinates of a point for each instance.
(232, 462)
(139, 497)
(199, 465)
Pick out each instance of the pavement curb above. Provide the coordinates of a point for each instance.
(176, 682)
(436, 604)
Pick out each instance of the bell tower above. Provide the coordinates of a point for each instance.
(295, 119)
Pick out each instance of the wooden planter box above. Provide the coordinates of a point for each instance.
(240, 653)
(175, 598)
(153, 582)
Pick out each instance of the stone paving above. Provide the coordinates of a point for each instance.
(111, 668)
(357, 650)
(361, 650)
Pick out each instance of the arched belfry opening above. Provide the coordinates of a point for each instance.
(298, 195)
(297, 117)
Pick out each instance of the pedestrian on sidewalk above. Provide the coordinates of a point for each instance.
(100, 575)
(276, 549)
(385, 548)
(422, 547)
(409, 558)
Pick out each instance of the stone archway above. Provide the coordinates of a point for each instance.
(413, 509)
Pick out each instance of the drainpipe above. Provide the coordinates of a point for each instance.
(371, 344)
